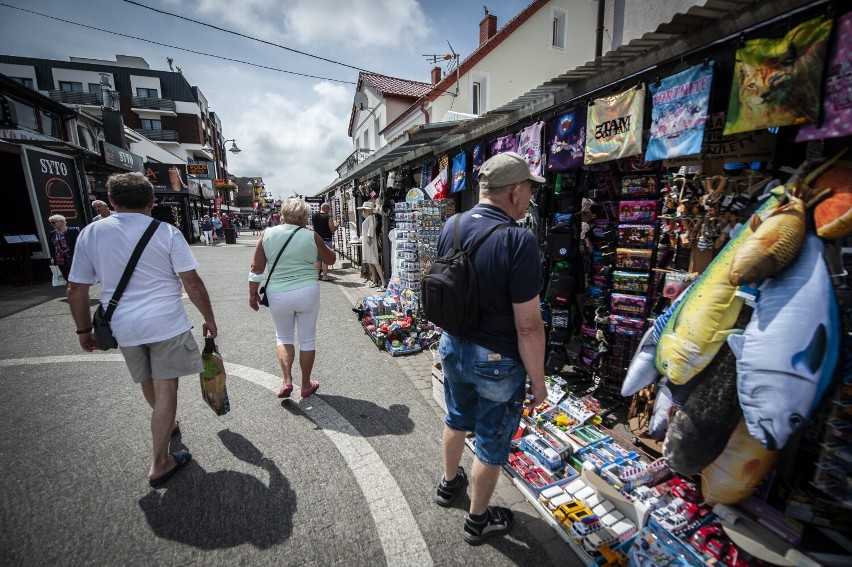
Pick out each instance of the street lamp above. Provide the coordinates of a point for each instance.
(233, 149)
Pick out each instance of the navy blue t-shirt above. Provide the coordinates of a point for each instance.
(508, 270)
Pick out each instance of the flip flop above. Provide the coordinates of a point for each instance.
(285, 391)
(326, 279)
(181, 459)
(314, 387)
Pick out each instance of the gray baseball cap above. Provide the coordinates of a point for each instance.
(505, 169)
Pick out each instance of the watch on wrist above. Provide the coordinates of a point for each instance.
(84, 331)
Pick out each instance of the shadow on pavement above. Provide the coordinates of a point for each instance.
(224, 509)
(367, 417)
(14, 299)
(351, 284)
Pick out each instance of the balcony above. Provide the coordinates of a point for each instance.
(77, 97)
(356, 157)
(152, 103)
(160, 135)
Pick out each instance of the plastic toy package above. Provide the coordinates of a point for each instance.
(637, 211)
(639, 186)
(630, 282)
(633, 259)
(654, 547)
(632, 305)
(636, 235)
(626, 326)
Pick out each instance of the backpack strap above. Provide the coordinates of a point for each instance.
(128, 270)
(478, 242)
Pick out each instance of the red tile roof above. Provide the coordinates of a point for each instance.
(392, 86)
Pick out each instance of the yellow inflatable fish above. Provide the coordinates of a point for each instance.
(773, 246)
(703, 320)
(738, 471)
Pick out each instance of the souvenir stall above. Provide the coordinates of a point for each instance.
(694, 230)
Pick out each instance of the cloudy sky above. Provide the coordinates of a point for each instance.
(292, 129)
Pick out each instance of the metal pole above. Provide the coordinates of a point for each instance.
(600, 29)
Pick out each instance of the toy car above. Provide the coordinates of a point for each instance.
(561, 514)
(704, 534)
(598, 539)
(673, 523)
(582, 528)
(542, 451)
(624, 529)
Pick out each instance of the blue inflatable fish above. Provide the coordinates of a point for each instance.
(787, 355)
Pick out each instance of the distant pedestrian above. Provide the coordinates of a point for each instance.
(150, 323)
(255, 225)
(207, 230)
(102, 209)
(217, 227)
(485, 370)
(293, 291)
(62, 240)
(325, 227)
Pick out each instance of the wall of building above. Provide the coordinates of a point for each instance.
(525, 58)
(630, 19)
(24, 71)
(78, 76)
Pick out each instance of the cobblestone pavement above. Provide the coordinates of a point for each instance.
(346, 476)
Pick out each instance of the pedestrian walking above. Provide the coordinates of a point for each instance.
(207, 229)
(485, 370)
(325, 227)
(150, 323)
(63, 240)
(292, 290)
(217, 227)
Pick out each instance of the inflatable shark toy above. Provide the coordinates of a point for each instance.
(787, 355)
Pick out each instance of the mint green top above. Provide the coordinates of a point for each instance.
(297, 267)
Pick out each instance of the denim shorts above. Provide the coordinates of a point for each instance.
(484, 392)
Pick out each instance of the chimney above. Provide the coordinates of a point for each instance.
(487, 28)
(436, 75)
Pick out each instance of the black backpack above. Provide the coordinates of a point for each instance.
(449, 291)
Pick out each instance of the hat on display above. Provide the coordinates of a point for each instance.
(367, 206)
(505, 169)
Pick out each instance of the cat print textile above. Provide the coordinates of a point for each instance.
(614, 126)
(777, 82)
(837, 101)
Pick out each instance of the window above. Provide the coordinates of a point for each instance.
(95, 88)
(70, 86)
(558, 27)
(49, 124)
(147, 92)
(150, 124)
(367, 139)
(376, 130)
(23, 114)
(476, 97)
(27, 82)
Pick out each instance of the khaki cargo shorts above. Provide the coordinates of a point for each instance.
(171, 358)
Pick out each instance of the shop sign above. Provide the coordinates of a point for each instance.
(119, 157)
(758, 145)
(218, 204)
(19, 135)
(167, 201)
(166, 177)
(54, 187)
(196, 168)
(219, 182)
(206, 189)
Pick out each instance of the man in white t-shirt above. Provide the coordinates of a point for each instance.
(150, 323)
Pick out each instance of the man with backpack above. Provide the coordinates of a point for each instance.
(485, 366)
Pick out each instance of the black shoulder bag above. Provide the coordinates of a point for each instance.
(264, 300)
(101, 319)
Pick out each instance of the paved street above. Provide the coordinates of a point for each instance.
(346, 476)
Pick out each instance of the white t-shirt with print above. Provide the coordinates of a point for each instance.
(151, 308)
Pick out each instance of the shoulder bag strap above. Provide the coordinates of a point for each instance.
(275, 263)
(131, 266)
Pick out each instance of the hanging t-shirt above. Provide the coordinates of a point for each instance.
(504, 144)
(679, 113)
(530, 147)
(478, 160)
(459, 173)
(614, 126)
(567, 140)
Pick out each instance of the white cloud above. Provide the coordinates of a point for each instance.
(365, 23)
(294, 145)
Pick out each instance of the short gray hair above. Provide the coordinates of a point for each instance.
(130, 190)
(295, 211)
(53, 218)
(98, 203)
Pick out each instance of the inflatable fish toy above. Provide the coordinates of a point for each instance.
(669, 398)
(700, 430)
(833, 215)
(738, 471)
(788, 353)
(641, 372)
(704, 318)
(773, 245)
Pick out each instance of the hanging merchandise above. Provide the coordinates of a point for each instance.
(530, 146)
(478, 160)
(679, 113)
(837, 104)
(459, 173)
(833, 215)
(427, 172)
(614, 126)
(568, 141)
(777, 82)
(504, 144)
(438, 186)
